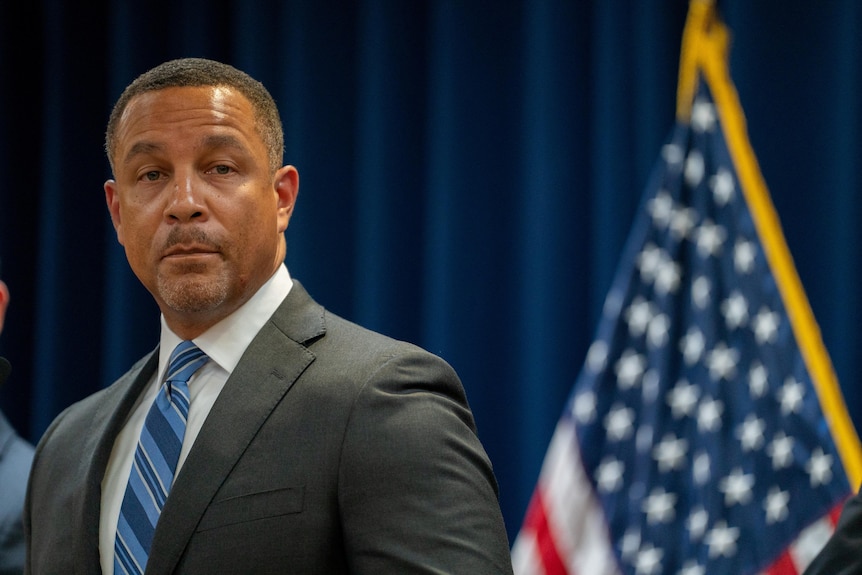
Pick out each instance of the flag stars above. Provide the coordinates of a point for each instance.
(819, 468)
(765, 326)
(585, 407)
(750, 433)
(697, 522)
(736, 487)
(709, 239)
(758, 380)
(668, 277)
(629, 369)
(648, 262)
(609, 475)
(701, 470)
(692, 567)
(682, 399)
(659, 506)
(709, 414)
(775, 505)
(743, 256)
(702, 116)
(661, 209)
(721, 540)
(682, 222)
(780, 450)
(618, 423)
(670, 453)
(638, 316)
(735, 310)
(722, 186)
(701, 292)
(790, 396)
(648, 561)
(657, 331)
(722, 362)
(692, 345)
(630, 543)
(695, 168)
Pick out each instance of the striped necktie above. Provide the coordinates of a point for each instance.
(155, 461)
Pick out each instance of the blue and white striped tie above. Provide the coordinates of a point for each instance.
(155, 462)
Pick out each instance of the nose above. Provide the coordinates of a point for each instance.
(186, 202)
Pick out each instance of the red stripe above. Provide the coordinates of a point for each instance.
(784, 566)
(536, 520)
(836, 511)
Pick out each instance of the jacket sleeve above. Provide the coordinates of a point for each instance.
(416, 488)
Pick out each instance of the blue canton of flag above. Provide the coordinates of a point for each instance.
(698, 423)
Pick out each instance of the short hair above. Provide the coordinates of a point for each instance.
(192, 72)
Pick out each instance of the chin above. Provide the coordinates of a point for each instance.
(193, 295)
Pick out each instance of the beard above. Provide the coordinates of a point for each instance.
(194, 289)
(193, 292)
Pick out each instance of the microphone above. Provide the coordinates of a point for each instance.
(5, 368)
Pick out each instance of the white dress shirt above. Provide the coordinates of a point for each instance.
(224, 343)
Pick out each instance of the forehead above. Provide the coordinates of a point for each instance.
(182, 112)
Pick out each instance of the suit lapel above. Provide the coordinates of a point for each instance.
(115, 403)
(269, 367)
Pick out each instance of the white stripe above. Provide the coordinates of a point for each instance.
(525, 556)
(810, 541)
(575, 518)
(574, 515)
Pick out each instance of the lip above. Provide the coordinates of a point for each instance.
(186, 251)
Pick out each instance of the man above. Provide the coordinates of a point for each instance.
(16, 456)
(312, 445)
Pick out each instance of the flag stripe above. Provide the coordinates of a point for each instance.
(552, 564)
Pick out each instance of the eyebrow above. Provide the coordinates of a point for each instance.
(211, 141)
(141, 148)
(223, 141)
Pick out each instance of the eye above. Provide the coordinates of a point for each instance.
(222, 170)
(151, 176)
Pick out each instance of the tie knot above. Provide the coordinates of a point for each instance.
(185, 360)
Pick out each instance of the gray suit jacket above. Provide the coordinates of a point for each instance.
(331, 449)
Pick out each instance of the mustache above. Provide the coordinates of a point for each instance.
(186, 236)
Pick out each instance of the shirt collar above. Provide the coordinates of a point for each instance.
(226, 341)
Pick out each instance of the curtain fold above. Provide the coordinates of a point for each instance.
(468, 175)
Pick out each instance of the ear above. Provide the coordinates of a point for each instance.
(112, 198)
(286, 188)
(4, 302)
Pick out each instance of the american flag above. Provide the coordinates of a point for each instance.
(694, 441)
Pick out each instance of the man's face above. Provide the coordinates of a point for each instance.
(195, 204)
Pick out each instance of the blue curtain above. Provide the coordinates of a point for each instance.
(469, 172)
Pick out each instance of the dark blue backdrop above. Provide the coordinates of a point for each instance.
(469, 171)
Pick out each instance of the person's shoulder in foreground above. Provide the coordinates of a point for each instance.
(16, 456)
(312, 445)
(842, 554)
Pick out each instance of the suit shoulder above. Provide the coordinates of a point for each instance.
(352, 338)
